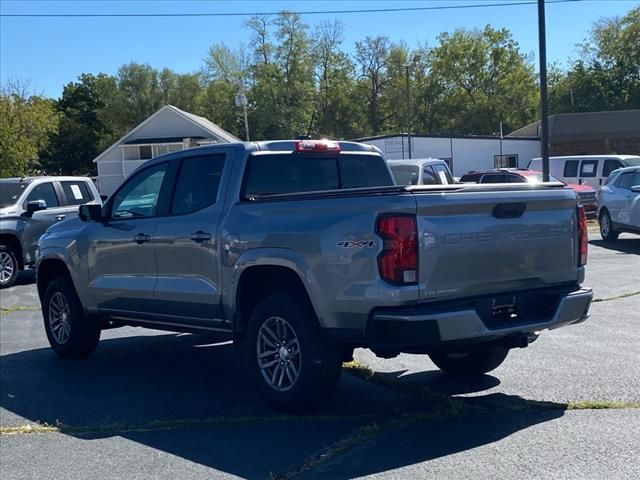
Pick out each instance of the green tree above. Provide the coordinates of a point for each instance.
(26, 121)
(372, 57)
(334, 114)
(485, 80)
(606, 76)
(78, 139)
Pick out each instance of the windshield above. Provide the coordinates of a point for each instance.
(406, 174)
(10, 192)
(632, 162)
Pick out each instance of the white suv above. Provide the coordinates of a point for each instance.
(619, 203)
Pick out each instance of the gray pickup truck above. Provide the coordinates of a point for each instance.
(28, 206)
(302, 251)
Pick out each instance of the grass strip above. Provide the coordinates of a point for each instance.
(159, 425)
(6, 310)
(601, 405)
(616, 297)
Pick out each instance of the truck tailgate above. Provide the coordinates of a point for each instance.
(492, 241)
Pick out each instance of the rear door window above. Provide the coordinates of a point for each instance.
(571, 168)
(589, 168)
(610, 166)
(429, 177)
(76, 193)
(406, 174)
(444, 174)
(494, 178)
(626, 180)
(198, 183)
(46, 192)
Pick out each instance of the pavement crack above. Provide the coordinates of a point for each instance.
(616, 297)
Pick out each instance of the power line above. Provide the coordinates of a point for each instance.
(311, 12)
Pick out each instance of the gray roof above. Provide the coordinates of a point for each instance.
(577, 126)
(201, 122)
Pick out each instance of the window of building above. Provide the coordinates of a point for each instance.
(505, 161)
(146, 152)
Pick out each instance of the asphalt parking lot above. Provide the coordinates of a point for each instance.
(152, 404)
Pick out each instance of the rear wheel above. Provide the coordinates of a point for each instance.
(294, 367)
(472, 363)
(8, 266)
(69, 331)
(606, 227)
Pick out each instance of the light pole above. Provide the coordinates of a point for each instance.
(241, 101)
(416, 58)
(544, 112)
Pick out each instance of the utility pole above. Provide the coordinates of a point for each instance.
(544, 107)
(416, 58)
(408, 107)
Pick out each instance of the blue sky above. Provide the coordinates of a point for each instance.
(49, 52)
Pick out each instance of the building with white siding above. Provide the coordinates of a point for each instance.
(462, 153)
(168, 130)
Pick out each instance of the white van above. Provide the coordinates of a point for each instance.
(592, 170)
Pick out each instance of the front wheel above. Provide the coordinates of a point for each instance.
(69, 331)
(8, 266)
(607, 232)
(472, 363)
(293, 365)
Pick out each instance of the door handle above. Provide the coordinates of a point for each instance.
(140, 238)
(60, 217)
(200, 236)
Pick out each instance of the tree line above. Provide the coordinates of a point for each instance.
(300, 81)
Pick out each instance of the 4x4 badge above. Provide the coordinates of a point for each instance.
(357, 244)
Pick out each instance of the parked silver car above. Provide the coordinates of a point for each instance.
(421, 171)
(28, 206)
(619, 204)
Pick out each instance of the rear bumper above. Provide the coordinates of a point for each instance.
(429, 327)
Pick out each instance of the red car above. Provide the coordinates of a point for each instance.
(586, 194)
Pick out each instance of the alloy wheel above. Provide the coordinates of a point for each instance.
(59, 320)
(7, 267)
(278, 354)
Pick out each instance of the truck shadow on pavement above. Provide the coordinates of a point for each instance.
(622, 245)
(183, 394)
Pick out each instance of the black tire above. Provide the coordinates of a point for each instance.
(82, 334)
(9, 266)
(318, 362)
(607, 232)
(473, 363)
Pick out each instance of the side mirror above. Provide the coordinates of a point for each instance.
(90, 212)
(34, 206)
(635, 189)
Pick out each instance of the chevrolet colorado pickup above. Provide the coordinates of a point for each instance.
(304, 250)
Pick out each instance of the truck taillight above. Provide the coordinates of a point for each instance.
(398, 261)
(583, 237)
